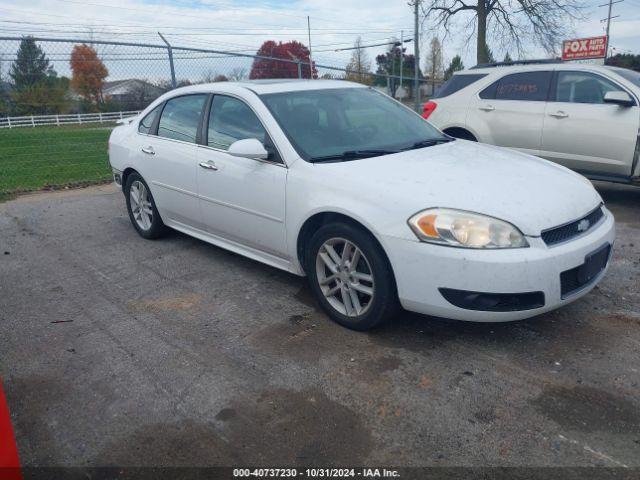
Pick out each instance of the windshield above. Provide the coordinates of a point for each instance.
(348, 123)
(631, 75)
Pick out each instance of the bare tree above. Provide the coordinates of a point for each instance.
(510, 21)
(435, 67)
(209, 76)
(237, 74)
(141, 94)
(359, 67)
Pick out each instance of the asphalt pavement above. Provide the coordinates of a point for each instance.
(115, 350)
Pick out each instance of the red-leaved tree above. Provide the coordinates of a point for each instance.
(88, 73)
(271, 68)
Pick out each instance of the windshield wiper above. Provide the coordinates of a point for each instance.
(352, 155)
(429, 143)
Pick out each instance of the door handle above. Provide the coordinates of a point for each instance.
(208, 165)
(487, 108)
(559, 114)
(149, 150)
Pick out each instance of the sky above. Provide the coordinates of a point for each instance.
(242, 25)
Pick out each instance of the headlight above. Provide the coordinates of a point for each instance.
(465, 229)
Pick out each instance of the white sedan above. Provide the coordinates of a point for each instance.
(338, 182)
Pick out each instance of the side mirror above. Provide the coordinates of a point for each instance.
(619, 98)
(248, 148)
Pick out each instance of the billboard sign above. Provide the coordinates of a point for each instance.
(584, 48)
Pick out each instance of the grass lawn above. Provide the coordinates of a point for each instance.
(35, 158)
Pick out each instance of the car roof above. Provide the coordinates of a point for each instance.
(261, 87)
(532, 67)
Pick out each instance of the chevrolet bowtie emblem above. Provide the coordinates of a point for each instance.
(584, 225)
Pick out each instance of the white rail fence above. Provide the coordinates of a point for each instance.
(71, 119)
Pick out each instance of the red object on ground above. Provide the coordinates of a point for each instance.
(428, 108)
(9, 462)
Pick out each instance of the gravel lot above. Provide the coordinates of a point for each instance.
(120, 351)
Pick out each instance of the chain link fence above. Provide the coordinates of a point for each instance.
(54, 132)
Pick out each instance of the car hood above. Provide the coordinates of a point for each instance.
(531, 193)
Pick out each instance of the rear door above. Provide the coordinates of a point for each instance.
(584, 133)
(510, 111)
(169, 158)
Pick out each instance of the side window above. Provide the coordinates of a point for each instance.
(529, 86)
(145, 124)
(231, 119)
(489, 93)
(456, 83)
(582, 87)
(180, 118)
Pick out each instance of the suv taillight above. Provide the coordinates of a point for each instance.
(428, 108)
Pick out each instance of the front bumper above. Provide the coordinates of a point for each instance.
(421, 269)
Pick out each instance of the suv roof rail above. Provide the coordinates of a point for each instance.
(516, 62)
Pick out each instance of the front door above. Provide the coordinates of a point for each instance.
(242, 200)
(585, 134)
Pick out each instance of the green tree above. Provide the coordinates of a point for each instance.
(36, 86)
(455, 66)
(389, 64)
(507, 58)
(49, 96)
(31, 65)
(488, 54)
(625, 60)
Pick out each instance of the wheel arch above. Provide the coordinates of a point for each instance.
(461, 132)
(318, 219)
(125, 174)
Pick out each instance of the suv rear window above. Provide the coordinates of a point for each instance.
(457, 82)
(527, 86)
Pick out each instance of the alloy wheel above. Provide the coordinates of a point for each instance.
(141, 205)
(345, 277)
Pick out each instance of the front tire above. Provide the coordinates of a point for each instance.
(350, 276)
(142, 209)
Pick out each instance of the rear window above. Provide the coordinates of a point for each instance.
(147, 122)
(180, 118)
(528, 86)
(457, 82)
(631, 75)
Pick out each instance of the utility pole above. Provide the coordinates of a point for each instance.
(608, 20)
(416, 54)
(310, 58)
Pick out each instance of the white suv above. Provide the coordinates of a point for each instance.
(585, 117)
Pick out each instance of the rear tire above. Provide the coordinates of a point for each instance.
(142, 209)
(350, 276)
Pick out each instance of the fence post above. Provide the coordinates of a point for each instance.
(33, 123)
(170, 52)
(57, 120)
(79, 119)
(9, 121)
(299, 69)
(121, 115)
(100, 116)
